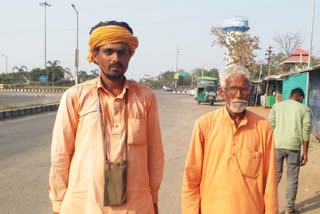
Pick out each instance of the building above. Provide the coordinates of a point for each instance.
(308, 80)
(298, 59)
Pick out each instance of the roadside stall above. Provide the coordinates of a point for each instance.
(273, 90)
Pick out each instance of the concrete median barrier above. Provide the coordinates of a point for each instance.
(14, 113)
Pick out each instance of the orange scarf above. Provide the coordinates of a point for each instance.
(111, 34)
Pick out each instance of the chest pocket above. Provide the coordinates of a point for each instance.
(137, 131)
(249, 162)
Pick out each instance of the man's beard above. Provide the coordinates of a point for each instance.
(115, 76)
(238, 105)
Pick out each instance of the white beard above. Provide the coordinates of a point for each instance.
(238, 105)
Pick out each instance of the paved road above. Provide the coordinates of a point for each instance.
(20, 99)
(25, 151)
(24, 164)
(177, 116)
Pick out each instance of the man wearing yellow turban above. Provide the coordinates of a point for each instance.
(111, 47)
(107, 153)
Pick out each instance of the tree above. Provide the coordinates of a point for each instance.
(151, 82)
(240, 46)
(21, 71)
(95, 73)
(167, 78)
(55, 71)
(315, 61)
(82, 76)
(67, 73)
(276, 68)
(36, 73)
(7, 78)
(288, 42)
(198, 72)
(213, 73)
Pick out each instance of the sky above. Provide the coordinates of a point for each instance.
(162, 27)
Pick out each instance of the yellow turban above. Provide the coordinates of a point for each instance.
(111, 34)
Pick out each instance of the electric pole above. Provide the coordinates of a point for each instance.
(268, 54)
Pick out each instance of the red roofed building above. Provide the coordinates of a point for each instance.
(298, 56)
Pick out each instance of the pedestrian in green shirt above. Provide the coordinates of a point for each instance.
(291, 122)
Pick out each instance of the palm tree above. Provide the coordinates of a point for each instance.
(67, 73)
(82, 76)
(55, 68)
(21, 70)
(95, 72)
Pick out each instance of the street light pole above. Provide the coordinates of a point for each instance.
(45, 5)
(177, 64)
(177, 60)
(6, 62)
(77, 49)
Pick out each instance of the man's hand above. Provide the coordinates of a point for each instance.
(304, 159)
(156, 211)
(304, 156)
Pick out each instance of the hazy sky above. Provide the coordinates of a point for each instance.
(161, 26)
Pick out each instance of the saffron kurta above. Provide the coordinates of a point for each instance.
(230, 170)
(76, 182)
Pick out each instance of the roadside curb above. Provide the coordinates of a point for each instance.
(180, 92)
(31, 90)
(14, 113)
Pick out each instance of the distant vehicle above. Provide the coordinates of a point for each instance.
(206, 90)
(207, 94)
(167, 88)
(191, 92)
(205, 80)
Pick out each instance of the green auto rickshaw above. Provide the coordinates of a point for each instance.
(206, 89)
(207, 94)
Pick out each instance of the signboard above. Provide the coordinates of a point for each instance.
(177, 75)
(43, 79)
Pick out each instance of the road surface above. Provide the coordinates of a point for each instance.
(25, 159)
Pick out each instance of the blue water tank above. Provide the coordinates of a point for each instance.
(236, 23)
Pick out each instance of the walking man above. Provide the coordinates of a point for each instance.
(291, 122)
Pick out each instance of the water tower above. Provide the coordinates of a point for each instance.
(236, 25)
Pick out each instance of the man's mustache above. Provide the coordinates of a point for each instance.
(116, 64)
(239, 101)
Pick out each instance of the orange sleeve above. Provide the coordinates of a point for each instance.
(270, 176)
(190, 196)
(155, 149)
(62, 147)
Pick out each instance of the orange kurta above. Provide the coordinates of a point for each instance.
(230, 170)
(78, 152)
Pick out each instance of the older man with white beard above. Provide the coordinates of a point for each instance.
(231, 167)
